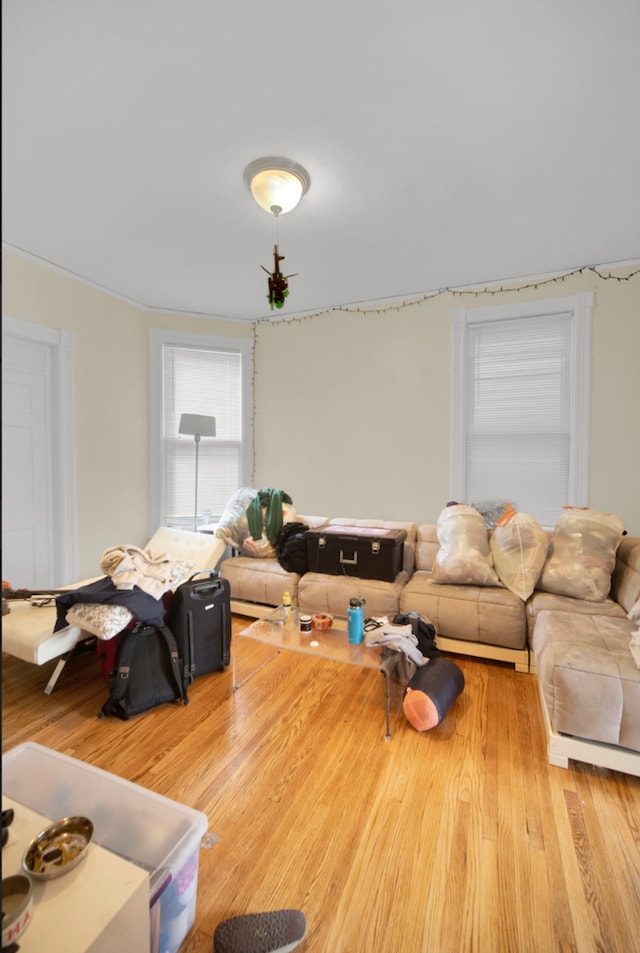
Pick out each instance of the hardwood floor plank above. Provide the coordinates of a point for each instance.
(458, 839)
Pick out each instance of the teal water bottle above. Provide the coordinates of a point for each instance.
(355, 621)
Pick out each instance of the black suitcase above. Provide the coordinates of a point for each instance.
(200, 618)
(362, 551)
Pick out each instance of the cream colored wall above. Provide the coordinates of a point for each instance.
(111, 395)
(351, 409)
(352, 413)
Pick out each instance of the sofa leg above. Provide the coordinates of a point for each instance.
(85, 644)
(57, 672)
(557, 760)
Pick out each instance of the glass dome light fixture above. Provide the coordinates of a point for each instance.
(276, 184)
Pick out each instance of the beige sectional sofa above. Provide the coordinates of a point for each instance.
(579, 649)
(589, 681)
(257, 584)
(486, 621)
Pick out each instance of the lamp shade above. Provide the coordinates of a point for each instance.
(276, 184)
(197, 424)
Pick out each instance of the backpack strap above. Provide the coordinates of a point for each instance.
(177, 664)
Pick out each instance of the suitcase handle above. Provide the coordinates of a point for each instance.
(205, 589)
(207, 586)
(212, 573)
(345, 561)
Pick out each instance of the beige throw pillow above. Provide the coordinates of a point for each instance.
(519, 548)
(582, 555)
(464, 557)
(105, 621)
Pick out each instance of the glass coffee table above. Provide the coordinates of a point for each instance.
(331, 643)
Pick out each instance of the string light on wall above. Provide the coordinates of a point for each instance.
(277, 185)
(263, 323)
(471, 292)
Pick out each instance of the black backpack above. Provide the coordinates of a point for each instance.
(291, 547)
(424, 631)
(149, 672)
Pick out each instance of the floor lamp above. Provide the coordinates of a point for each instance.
(197, 426)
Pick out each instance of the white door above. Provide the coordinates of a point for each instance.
(36, 548)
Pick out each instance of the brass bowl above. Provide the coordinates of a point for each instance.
(58, 849)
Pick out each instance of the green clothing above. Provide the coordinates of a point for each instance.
(272, 500)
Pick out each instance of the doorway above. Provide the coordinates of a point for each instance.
(39, 545)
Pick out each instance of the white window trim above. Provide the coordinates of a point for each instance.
(158, 338)
(580, 307)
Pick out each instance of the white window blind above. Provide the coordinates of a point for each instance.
(520, 407)
(193, 378)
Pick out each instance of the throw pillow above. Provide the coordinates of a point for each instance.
(519, 547)
(105, 621)
(582, 555)
(464, 557)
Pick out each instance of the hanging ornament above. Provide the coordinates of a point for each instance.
(278, 283)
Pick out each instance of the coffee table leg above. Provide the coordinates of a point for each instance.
(234, 684)
(388, 665)
(387, 687)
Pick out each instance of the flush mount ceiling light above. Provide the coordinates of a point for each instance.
(276, 184)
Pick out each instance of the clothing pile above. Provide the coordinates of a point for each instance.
(135, 583)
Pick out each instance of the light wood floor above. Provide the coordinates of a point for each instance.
(461, 839)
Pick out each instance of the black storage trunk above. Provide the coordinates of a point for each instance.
(200, 618)
(356, 551)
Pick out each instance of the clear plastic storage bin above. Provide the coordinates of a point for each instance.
(151, 831)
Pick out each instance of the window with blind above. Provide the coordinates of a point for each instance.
(520, 404)
(198, 374)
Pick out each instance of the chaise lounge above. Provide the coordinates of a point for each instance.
(27, 631)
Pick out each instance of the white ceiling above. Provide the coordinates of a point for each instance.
(448, 142)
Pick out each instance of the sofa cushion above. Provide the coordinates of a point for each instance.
(320, 592)
(427, 546)
(582, 555)
(519, 548)
(464, 557)
(486, 614)
(262, 581)
(540, 601)
(590, 681)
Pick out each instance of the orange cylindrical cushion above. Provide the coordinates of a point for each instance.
(420, 710)
(431, 692)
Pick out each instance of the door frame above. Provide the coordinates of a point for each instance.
(64, 521)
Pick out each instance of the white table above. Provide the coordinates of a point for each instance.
(101, 906)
